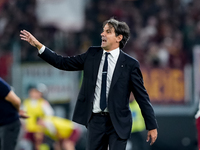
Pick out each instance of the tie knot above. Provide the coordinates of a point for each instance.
(107, 53)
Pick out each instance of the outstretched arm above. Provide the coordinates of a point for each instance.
(27, 36)
(73, 63)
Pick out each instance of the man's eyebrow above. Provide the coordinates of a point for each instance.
(109, 29)
(106, 29)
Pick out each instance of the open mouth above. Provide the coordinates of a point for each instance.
(103, 40)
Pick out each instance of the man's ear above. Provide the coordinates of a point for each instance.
(119, 38)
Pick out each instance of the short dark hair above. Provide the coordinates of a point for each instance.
(120, 28)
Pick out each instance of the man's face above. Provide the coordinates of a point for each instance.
(35, 94)
(109, 40)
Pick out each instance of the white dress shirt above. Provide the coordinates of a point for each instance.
(112, 60)
(41, 50)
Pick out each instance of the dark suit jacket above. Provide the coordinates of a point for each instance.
(127, 77)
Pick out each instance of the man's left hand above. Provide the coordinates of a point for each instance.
(152, 134)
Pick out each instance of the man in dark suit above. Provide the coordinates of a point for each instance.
(110, 75)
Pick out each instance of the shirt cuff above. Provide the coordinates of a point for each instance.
(41, 50)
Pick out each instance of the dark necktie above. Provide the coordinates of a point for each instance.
(103, 83)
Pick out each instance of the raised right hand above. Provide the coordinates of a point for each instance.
(27, 36)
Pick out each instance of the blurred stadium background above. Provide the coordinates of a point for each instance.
(165, 38)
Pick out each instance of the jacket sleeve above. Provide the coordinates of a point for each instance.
(67, 63)
(142, 98)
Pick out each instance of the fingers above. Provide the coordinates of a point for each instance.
(27, 36)
(23, 114)
(24, 35)
(25, 32)
(152, 134)
(153, 140)
(148, 138)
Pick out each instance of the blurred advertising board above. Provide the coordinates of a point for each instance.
(165, 86)
(61, 85)
(170, 90)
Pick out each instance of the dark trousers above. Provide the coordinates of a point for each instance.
(8, 135)
(101, 134)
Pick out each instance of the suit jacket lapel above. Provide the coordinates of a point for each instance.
(118, 69)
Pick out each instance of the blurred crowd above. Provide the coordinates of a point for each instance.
(163, 32)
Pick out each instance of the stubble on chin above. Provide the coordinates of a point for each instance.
(104, 46)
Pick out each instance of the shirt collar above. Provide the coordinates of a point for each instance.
(114, 53)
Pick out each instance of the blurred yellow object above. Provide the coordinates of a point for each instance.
(44, 147)
(33, 112)
(63, 127)
(138, 120)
